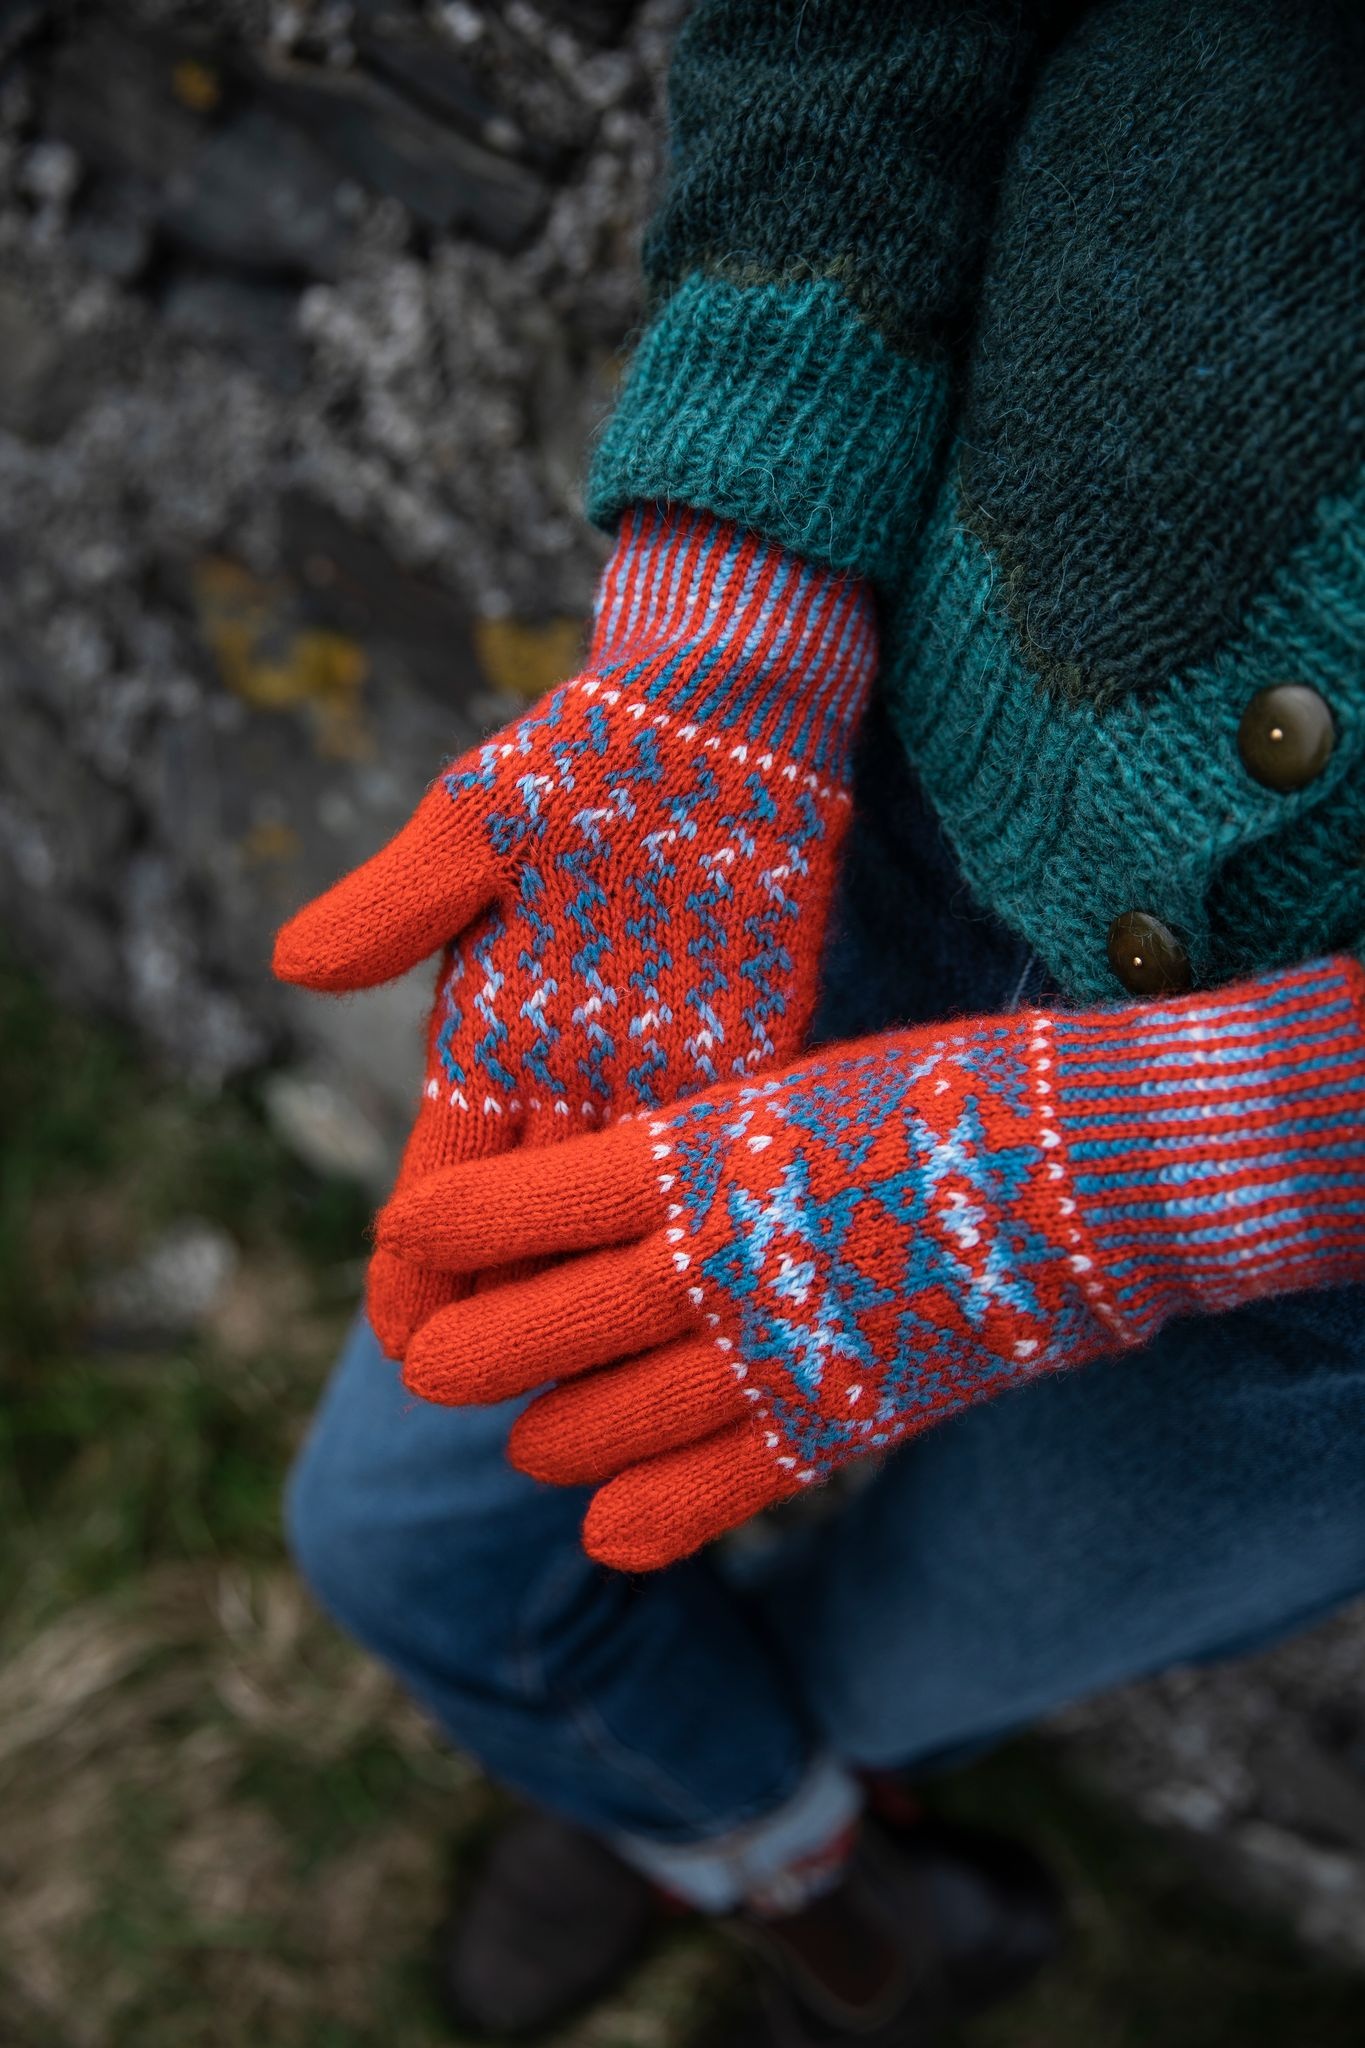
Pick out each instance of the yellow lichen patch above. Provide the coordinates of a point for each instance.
(276, 663)
(269, 841)
(525, 661)
(195, 85)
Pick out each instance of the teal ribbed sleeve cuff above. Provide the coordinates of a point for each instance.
(777, 407)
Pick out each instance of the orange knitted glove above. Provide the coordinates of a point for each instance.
(632, 881)
(782, 1275)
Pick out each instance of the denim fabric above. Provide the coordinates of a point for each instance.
(1201, 1497)
(647, 1707)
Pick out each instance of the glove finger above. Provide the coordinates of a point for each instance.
(595, 1427)
(402, 1291)
(577, 1314)
(400, 1297)
(579, 1196)
(670, 1506)
(396, 908)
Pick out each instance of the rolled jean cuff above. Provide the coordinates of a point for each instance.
(717, 1874)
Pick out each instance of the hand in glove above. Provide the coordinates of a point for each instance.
(782, 1275)
(633, 881)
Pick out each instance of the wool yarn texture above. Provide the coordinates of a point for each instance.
(632, 882)
(1045, 316)
(785, 1274)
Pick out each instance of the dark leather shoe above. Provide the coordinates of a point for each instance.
(962, 1920)
(553, 1922)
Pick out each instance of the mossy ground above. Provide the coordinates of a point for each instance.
(221, 1826)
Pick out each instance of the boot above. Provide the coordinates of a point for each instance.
(930, 1924)
(554, 1922)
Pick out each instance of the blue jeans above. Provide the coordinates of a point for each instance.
(1196, 1499)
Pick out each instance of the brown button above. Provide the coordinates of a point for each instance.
(1148, 959)
(1286, 736)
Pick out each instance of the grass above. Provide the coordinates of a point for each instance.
(222, 1827)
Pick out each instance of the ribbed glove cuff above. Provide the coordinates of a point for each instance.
(702, 622)
(1214, 1146)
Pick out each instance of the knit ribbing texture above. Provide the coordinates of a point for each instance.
(1112, 256)
(778, 407)
(1066, 813)
(631, 882)
(825, 1262)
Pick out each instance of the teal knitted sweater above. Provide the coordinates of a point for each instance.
(1047, 318)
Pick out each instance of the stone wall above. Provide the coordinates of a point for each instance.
(1258, 1766)
(306, 316)
(307, 313)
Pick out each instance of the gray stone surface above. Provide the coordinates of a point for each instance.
(306, 317)
(307, 313)
(1259, 1766)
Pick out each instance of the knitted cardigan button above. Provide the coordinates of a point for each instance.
(1147, 957)
(1286, 736)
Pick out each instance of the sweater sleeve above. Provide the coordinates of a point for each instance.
(813, 265)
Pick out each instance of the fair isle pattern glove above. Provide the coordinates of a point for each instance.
(633, 880)
(785, 1274)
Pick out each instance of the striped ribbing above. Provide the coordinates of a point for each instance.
(779, 407)
(1216, 1144)
(718, 626)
